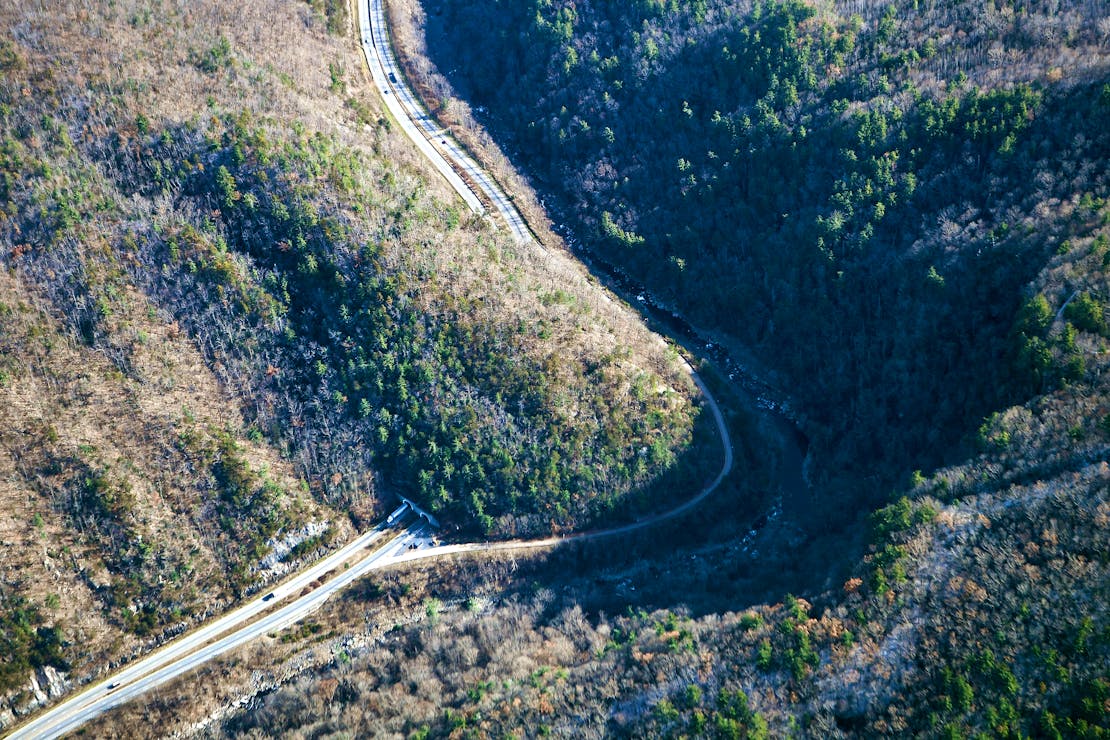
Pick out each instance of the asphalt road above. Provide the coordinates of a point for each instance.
(235, 628)
(440, 146)
(463, 173)
(312, 587)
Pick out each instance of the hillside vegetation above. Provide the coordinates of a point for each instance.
(979, 610)
(859, 192)
(902, 209)
(899, 208)
(237, 317)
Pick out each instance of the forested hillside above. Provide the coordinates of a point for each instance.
(979, 608)
(860, 192)
(237, 319)
(986, 617)
(902, 209)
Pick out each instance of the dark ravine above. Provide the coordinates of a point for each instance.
(230, 630)
(755, 395)
(449, 158)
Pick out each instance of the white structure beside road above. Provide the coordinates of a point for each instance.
(305, 592)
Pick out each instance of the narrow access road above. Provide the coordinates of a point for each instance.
(440, 146)
(245, 623)
(228, 632)
(726, 468)
(462, 172)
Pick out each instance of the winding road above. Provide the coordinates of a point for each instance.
(726, 468)
(451, 159)
(383, 545)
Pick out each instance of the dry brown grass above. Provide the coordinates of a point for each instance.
(63, 401)
(281, 71)
(193, 704)
(599, 321)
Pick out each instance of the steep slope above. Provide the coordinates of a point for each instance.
(857, 192)
(941, 297)
(122, 520)
(980, 605)
(238, 317)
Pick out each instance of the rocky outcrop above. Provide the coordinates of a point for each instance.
(45, 685)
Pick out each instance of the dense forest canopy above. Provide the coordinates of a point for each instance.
(860, 192)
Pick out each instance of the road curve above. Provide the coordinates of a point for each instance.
(461, 171)
(428, 135)
(726, 468)
(439, 146)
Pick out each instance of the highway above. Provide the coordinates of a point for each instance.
(312, 587)
(461, 171)
(230, 631)
(439, 146)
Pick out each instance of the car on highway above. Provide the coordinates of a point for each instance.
(113, 686)
(268, 596)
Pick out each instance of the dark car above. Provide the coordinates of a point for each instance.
(268, 596)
